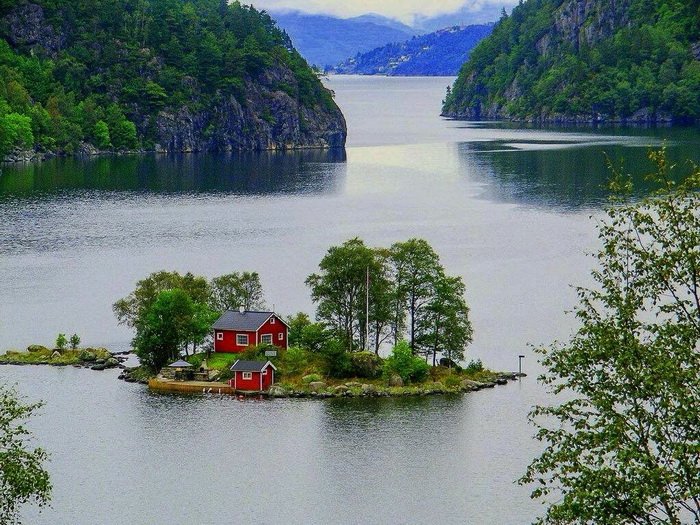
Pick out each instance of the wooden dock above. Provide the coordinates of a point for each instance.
(189, 387)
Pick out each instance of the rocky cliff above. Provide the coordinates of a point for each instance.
(83, 77)
(583, 61)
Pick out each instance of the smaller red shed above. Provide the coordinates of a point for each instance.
(252, 375)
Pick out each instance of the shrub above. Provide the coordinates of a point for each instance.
(293, 361)
(452, 381)
(474, 367)
(403, 363)
(336, 360)
(311, 378)
(366, 364)
(74, 341)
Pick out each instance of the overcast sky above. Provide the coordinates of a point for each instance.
(404, 10)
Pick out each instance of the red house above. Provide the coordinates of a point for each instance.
(236, 331)
(252, 375)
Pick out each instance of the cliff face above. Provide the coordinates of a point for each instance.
(584, 60)
(222, 78)
(266, 118)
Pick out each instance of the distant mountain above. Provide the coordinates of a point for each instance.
(440, 53)
(326, 40)
(463, 17)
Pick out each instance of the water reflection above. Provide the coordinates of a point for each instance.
(251, 173)
(560, 174)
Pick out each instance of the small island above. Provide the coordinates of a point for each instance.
(195, 335)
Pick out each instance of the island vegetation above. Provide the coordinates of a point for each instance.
(83, 76)
(563, 60)
(367, 298)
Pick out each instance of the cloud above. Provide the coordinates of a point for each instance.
(405, 10)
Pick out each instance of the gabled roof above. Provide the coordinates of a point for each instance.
(180, 364)
(244, 321)
(251, 366)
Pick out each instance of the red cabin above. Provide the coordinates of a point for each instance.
(252, 375)
(236, 331)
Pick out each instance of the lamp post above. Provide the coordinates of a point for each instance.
(520, 365)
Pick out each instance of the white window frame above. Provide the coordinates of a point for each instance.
(272, 320)
(280, 336)
(239, 338)
(263, 341)
(247, 376)
(264, 372)
(219, 336)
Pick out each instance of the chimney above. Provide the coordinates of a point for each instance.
(241, 309)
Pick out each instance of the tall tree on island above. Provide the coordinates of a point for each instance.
(417, 269)
(445, 328)
(233, 290)
(622, 447)
(170, 325)
(340, 289)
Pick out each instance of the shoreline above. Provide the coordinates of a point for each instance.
(349, 389)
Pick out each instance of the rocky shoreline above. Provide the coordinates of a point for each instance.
(320, 390)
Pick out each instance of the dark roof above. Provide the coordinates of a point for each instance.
(180, 364)
(250, 366)
(246, 321)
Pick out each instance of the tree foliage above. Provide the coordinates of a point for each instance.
(623, 446)
(408, 292)
(23, 478)
(237, 289)
(172, 322)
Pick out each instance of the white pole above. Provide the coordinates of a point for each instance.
(367, 312)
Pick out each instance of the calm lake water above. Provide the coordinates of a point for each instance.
(508, 209)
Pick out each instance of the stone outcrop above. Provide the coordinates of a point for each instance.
(268, 119)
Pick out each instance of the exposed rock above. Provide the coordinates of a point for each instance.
(395, 381)
(26, 25)
(315, 386)
(369, 390)
(468, 384)
(56, 354)
(340, 390)
(277, 391)
(38, 349)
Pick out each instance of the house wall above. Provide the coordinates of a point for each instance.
(228, 344)
(247, 384)
(275, 328)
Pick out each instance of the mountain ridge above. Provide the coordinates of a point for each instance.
(440, 53)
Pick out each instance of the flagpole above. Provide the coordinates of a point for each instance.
(367, 311)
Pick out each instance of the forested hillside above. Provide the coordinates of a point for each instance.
(592, 60)
(439, 53)
(167, 75)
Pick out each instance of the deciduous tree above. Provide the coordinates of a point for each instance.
(23, 478)
(236, 289)
(624, 444)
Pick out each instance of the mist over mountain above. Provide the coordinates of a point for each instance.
(326, 40)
